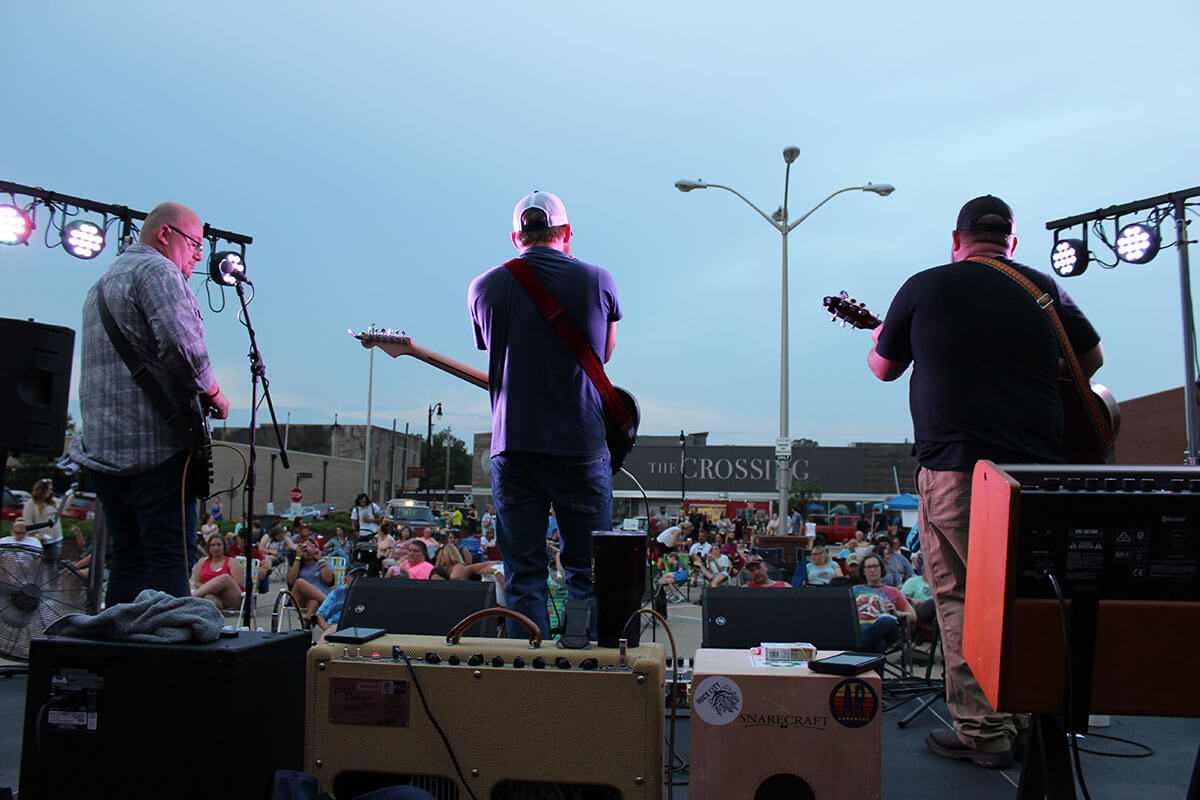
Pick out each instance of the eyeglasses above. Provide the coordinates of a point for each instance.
(197, 245)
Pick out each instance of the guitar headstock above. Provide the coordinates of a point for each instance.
(849, 310)
(393, 342)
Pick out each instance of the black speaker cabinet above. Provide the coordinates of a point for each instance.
(35, 371)
(737, 617)
(422, 607)
(131, 720)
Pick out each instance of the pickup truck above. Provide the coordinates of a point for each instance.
(838, 528)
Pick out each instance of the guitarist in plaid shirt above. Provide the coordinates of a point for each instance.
(135, 459)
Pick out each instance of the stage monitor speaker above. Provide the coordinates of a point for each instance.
(513, 715)
(134, 720)
(418, 607)
(739, 617)
(35, 371)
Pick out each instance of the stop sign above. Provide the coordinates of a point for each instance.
(297, 495)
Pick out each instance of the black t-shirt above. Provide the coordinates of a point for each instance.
(985, 364)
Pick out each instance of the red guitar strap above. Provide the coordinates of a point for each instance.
(1081, 382)
(558, 319)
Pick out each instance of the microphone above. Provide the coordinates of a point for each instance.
(228, 269)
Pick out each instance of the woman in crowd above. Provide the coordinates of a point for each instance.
(217, 577)
(448, 557)
(339, 544)
(416, 566)
(40, 508)
(310, 578)
(820, 569)
(385, 544)
(673, 575)
(207, 527)
(880, 607)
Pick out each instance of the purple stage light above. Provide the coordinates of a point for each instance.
(15, 225)
(83, 239)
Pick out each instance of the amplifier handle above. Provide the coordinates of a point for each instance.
(535, 634)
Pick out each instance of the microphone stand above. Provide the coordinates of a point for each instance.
(257, 372)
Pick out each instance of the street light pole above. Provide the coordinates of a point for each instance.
(429, 446)
(367, 442)
(779, 221)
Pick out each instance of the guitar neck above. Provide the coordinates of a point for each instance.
(468, 374)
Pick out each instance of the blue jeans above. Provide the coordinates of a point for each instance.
(152, 531)
(877, 636)
(523, 487)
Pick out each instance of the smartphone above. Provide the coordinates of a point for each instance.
(845, 663)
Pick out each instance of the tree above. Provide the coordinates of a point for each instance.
(435, 462)
(802, 442)
(803, 493)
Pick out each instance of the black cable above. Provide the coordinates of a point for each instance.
(1066, 630)
(674, 683)
(1149, 751)
(449, 750)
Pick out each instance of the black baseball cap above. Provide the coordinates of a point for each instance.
(988, 214)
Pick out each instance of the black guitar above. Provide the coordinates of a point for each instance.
(1082, 444)
(397, 343)
(197, 437)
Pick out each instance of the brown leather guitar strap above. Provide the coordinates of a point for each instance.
(1046, 302)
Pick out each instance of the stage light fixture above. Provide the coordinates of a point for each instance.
(15, 225)
(227, 267)
(83, 239)
(1137, 243)
(1069, 257)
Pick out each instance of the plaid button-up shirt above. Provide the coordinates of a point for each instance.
(153, 306)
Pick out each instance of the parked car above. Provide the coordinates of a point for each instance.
(12, 506)
(81, 506)
(324, 509)
(410, 513)
(837, 528)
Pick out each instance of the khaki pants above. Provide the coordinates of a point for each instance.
(944, 520)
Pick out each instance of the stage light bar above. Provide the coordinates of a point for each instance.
(83, 239)
(1137, 243)
(15, 225)
(1069, 257)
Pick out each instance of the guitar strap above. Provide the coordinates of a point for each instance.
(142, 376)
(552, 310)
(1046, 303)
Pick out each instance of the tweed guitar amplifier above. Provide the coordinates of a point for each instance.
(514, 715)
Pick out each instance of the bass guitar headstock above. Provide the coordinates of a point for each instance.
(395, 343)
(849, 310)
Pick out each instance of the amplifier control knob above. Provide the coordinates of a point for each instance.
(589, 663)
(1148, 484)
(1074, 484)
(1050, 484)
(1091, 484)
(1194, 485)
(497, 661)
(539, 662)
(454, 659)
(518, 662)
(432, 658)
(1129, 484)
(562, 662)
(476, 660)
(1178, 485)
(1111, 484)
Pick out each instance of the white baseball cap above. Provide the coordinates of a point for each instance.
(556, 212)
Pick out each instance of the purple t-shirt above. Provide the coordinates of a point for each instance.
(542, 400)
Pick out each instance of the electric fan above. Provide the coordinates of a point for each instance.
(34, 593)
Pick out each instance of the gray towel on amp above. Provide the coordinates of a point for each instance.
(153, 616)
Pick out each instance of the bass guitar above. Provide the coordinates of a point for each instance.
(397, 343)
(1082, 444)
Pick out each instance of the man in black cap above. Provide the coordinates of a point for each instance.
(986, 365)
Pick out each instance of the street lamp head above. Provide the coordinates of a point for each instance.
(685, 185)
(881, 189)
(791, 153)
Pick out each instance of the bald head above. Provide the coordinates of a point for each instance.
(174, 230)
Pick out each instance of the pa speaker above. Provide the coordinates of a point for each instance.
(739, 617)
(35, 369)
(418, 607)
(134, 720)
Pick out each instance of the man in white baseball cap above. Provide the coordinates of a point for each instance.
(548, 420)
